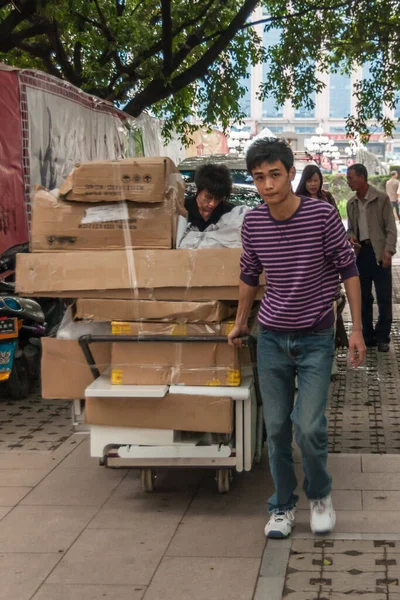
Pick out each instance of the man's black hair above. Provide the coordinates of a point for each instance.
(269, 150)
(215, 179)
(359, 170)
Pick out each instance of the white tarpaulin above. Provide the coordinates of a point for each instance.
(153, 142)
(66, 126)
(63, 132)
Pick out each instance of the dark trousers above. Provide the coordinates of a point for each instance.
(371, 272)
(396, 208)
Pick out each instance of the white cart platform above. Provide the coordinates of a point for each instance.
(150, 449)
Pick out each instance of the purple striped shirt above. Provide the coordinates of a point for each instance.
(302, 258)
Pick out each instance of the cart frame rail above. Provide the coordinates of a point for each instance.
(248, 341)
(223, 465)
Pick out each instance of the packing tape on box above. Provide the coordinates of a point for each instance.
(142, 328)
(221, 370)
(174, 196)
(166, 363)
(170, 363)
(209, 315)
(231, 377)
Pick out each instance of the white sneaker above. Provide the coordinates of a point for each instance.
(280, 524)
(323, 516)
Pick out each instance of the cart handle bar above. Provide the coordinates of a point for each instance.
(86, 340)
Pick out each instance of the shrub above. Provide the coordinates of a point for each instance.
(342, 206)
(337, 185)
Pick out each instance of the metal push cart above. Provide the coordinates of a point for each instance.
(148, 450)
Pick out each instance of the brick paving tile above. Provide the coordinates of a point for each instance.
(363, 411)
(337, 568)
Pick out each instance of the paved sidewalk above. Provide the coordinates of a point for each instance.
(362, 558)
(72, 530)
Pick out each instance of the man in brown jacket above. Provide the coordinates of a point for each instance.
(372, 232)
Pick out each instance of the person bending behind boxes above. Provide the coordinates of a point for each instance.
(302, 246)
(214, 186)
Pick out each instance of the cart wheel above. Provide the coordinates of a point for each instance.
(102, 461)
(147, 480)
(224, 477)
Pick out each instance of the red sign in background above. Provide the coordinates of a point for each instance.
(13, 221)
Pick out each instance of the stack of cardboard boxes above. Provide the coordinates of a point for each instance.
(107, 240)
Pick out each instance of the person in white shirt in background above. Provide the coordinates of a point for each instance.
(393, 191)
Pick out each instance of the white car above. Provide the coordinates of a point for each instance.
(236, 165)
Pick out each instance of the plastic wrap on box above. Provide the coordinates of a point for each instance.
(72, 330)
(97, 309)
(143, 328)
(167, 363)
(61, 225)
(128, 270)
(154, 274)
(136, 179)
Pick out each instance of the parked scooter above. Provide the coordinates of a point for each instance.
(23, 322)
(21, 327)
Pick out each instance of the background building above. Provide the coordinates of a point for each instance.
(332, 106)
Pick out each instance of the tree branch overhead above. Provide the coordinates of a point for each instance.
(164, 55)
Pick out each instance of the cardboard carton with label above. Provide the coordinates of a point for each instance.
(139, 179)
(108, 240)
(63, 225)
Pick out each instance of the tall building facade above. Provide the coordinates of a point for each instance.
(332, 106)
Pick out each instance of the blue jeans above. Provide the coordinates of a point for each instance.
(281, 356)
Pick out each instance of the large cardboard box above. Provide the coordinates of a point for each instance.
(142, 328)
(148, 310)
(168, 363)
(127, 270)
(65, 372)
(137, 179)
(203, 294)
(174, 411)
(58, 225)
